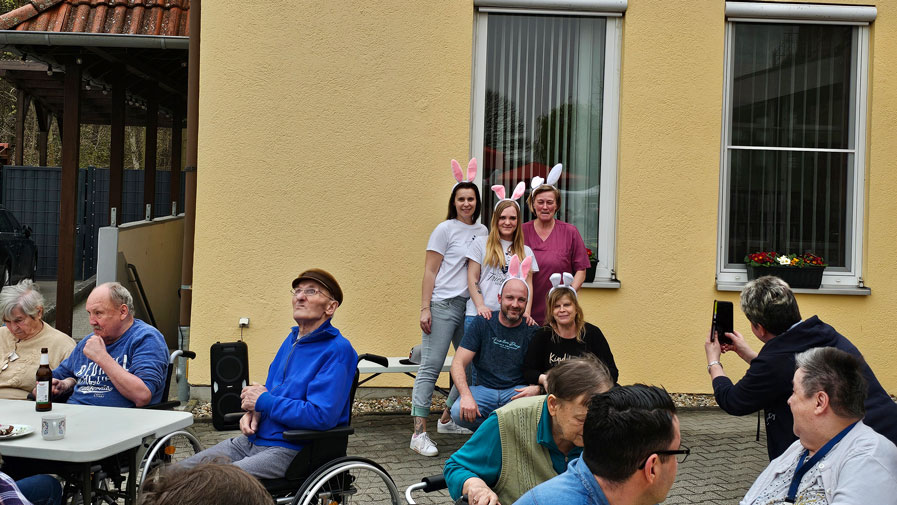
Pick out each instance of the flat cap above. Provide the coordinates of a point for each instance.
(323, 278)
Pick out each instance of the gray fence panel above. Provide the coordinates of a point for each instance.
(32, 194)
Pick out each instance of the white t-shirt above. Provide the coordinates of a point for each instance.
(491, 278)
(451, 239)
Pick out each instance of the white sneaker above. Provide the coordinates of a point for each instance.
(423, 445)
(451, 428)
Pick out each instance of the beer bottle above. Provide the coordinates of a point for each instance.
(44, 378)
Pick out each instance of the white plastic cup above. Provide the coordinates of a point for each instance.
(52, 426)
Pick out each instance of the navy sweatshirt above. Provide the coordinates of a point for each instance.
(767, 385)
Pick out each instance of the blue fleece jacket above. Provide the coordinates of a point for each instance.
(308, 384)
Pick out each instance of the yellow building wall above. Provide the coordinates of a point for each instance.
(325, 140)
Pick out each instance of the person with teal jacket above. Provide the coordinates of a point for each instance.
(529, 440)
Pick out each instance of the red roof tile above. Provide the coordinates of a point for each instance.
(136, 17)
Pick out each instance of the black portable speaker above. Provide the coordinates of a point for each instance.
(230, 374)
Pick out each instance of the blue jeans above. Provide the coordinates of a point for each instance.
(487, 399)
(41, 489)
(446, 327)
(471, 370)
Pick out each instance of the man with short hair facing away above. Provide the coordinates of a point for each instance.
(496, 346)
(631, 454)
(123, 363)
(770, 307)
(308, 385)
(837, 458)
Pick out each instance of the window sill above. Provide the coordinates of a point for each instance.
(602, 284)
(823, 290)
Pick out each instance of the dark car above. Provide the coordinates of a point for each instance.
(18, 254)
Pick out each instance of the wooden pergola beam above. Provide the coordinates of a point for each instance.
(71, 142)
(117, 145)
(22, 103)
(150, 152)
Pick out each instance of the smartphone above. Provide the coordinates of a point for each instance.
(722, 321)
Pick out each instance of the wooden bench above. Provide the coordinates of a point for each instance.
(369, 367)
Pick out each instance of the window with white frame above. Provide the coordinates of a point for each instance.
(546, 87)
(793, 154)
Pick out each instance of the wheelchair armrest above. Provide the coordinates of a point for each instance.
(375, 358)
(294, 435)
(233, 417)
(434, 483)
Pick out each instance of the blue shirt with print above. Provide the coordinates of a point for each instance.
(499, 351)
(141, 351)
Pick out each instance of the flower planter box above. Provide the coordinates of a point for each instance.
(797, 277)
(590, 272)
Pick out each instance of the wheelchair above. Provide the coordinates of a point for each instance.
(322, 474)
(109, 477)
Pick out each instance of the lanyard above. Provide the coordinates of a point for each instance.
(804, 466)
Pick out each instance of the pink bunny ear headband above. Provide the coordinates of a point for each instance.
(552, 179)
(518, 270)
(562, 281)
(471, 171)
(500, 193)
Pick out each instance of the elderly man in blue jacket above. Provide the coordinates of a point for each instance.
(308, 385)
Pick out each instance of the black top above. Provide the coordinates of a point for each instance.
(544, 351)
(767, 385)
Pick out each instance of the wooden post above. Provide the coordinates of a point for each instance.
(71, 143)
(43, 127)
(22, 103)
(152, 137)
(117, 145)
(177, 119)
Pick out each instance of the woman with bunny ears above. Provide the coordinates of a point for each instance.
(558, 246)
(566, 335)
(489, 257)
(444, 296)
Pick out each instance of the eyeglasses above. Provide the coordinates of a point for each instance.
(681, 455)
(309, 292)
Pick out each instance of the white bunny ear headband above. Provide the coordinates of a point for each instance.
(518, 192)
(518, 270)
(471, 171)
(552, 179)
(562, 281)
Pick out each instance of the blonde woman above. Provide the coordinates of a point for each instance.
(565, 335)
(488, 257)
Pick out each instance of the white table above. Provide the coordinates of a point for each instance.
(365, 366)
(91, 434)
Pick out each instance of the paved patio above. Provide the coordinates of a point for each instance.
(725, 458)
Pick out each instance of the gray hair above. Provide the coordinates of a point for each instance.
(838, 374)
(25, 296)
(119, 295)
(769, 302)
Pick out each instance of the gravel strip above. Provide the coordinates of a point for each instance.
(402, 405)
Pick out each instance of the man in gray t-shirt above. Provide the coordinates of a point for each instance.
(496, 347)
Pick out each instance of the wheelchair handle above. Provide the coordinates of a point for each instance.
(375, 358)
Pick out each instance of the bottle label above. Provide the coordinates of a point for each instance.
(43, 392)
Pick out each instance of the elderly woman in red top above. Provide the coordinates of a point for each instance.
(557, 245)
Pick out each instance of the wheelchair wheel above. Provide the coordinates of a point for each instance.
(169, 449)
(348, 480)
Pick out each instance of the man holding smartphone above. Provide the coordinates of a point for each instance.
(770, 307)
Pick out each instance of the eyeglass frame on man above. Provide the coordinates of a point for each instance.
(13, 355)
(685, 451)
(309, 292)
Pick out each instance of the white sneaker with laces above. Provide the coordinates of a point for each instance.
(451, 428)
(423, 445)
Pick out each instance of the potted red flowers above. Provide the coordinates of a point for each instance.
(593, 264)
(799, 271)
